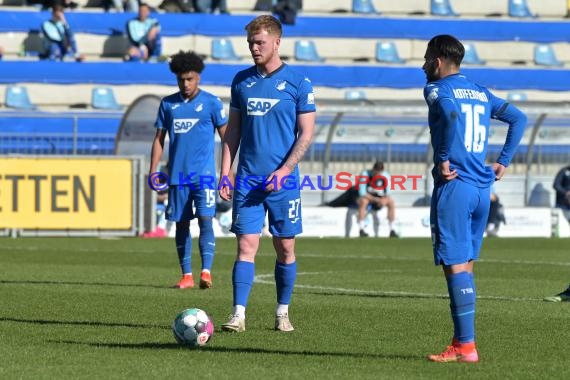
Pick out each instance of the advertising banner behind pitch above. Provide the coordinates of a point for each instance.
(66, 193)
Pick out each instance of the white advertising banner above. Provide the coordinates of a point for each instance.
(410, 222)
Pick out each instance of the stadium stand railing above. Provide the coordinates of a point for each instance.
(46, 133)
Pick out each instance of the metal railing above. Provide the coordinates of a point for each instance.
(50, 133)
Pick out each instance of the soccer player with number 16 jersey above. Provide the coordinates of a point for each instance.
(460, 113)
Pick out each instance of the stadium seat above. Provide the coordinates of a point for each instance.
(544, 56)
(539, 197)
(387, 52)
(354, 95)
(17, 97)
(519, 8)
(306, 50)
(471, 57)
(364, 6)
(517, 97)
(223, 50)
(442, 8)
(104, 98)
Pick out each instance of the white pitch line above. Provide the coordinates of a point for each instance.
(261, 279)
(405, 258)
(301, 255)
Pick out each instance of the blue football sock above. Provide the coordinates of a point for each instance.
(242, 278)
(207, 242)
(285, 275)
(183, 241)
(462, 303)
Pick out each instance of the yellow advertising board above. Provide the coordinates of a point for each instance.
(66, 193)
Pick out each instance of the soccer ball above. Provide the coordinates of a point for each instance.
(193, 327)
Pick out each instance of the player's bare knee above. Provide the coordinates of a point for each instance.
(247, 247)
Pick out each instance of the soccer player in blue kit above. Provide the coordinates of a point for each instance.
(272, 119)
(459, 121)
(190, 117)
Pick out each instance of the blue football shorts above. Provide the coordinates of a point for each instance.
(183, 199)
(283, 211)
(458, 218)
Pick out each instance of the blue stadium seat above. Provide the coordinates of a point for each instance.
(364, 6)
(387, 52)
(354, 95)
(442, 8)
(223, 50)
(17, 97)
(104, 98)
(516, 97)
(306, 50)
(471, 57)
(544, 56)
(519, 8)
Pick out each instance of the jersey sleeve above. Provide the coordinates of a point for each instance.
(516, 119)
(51, 32)
(434, 93)
(234, 100)
(305, 97)
(154, 23)
(134, 33)
(496, 103)
(440, 101)
(219, 116)
(160, 117)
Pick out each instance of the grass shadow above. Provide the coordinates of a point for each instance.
(83, 323)
(246, 350)
(80, 283)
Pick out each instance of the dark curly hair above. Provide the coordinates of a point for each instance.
(185, 61)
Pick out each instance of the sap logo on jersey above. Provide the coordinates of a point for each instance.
(184, 125)
(260, 106)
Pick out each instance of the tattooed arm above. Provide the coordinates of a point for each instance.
(306, 123)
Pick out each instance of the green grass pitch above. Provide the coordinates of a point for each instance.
(82, 308)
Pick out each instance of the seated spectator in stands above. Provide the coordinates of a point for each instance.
(562, 186)
(48, 4)
(286, 10)
(496, 214)
(58, 39)
(144, 35)
(121, 5)
(210, 6)
(374, 194)
(365, 198)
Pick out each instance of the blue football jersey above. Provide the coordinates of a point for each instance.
(191, 126)
(460, 112)
(269, 106)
